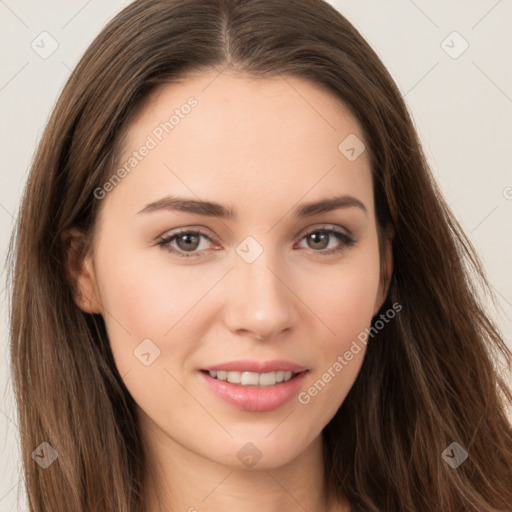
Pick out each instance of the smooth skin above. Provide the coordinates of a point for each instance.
(262, 147)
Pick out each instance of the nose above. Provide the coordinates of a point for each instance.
(260, 302)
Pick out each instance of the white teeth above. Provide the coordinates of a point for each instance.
(234, 377)
(268, 379)
(252, 378)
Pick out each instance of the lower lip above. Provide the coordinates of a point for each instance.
(256, 399)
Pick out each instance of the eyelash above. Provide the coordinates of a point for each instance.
(346, 241)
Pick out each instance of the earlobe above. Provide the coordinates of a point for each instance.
(79, 270)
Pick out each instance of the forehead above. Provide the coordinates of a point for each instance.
(241, 138)
(231, 106)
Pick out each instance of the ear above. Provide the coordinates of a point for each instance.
(386, 268)
(79, 270)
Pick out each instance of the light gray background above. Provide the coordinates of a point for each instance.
(462, 108)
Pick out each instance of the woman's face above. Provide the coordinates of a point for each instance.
(264, 291)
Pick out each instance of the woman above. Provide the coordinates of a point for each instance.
(236, 285)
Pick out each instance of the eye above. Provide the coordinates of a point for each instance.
(187, 241)
(320, 238)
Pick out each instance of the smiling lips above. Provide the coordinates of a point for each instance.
(255, 386)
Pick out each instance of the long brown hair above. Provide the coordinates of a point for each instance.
(428, 379)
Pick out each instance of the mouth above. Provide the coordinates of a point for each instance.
(253, 391)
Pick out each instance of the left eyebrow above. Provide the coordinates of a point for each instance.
(211, 209)
(327, 205)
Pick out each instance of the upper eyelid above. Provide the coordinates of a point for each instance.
(181, 231)
(321, 227)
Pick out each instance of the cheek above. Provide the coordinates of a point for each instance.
(138, 303)
(345, 304)
(146, 297)
(351, 303)
(344, 299)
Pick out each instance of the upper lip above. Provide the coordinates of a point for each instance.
(246, 365)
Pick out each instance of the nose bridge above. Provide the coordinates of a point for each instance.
(259, 300)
